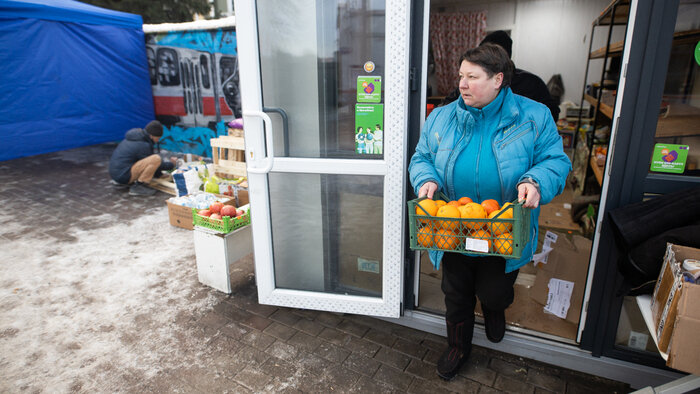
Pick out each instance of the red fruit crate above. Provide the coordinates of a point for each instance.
(505, 234)
(224, 225)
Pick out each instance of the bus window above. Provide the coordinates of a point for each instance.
(204, 68)
(151, 55)
(229, 83)
(168, 67)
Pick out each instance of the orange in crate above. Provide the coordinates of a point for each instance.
(446, 239)
(448, 211)
(473, 210)
(490, 206)
(498, 228)
(425, 237)
(464, 200)
(503, 244)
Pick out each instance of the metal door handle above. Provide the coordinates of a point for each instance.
(268, 142)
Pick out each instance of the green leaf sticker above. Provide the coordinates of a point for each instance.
(697, 53)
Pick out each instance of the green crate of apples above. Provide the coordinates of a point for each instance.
(222, 218)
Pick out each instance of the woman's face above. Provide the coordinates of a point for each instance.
(475, 86)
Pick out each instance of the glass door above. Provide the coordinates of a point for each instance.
(324, 91)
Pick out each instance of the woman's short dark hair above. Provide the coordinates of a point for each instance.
(493, 59)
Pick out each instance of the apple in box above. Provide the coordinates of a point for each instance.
(215, 207)
(215, 216)
(228, 210)
(204, 212)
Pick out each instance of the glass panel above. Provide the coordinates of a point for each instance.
(677, 141)
(325, 46)
(632, 331)
(309, 214)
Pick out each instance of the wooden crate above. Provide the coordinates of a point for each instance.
(228, 155)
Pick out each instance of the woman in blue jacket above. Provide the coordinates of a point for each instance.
(488, 144)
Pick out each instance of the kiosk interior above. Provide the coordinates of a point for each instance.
(356, 80)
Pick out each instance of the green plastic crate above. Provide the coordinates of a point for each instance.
(225, 225)
(463, 235)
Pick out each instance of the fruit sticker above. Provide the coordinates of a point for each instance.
(697, 53)
(369, 89)
(369, 129)
(669, 158)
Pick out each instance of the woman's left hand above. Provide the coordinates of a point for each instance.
(528, 192)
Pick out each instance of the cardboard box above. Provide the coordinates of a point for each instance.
(670, 289)
(684, 349)
(567, 261)
(181, 216)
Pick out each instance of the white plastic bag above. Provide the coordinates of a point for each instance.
(187, 182)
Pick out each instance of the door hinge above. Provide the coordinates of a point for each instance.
(413, 79)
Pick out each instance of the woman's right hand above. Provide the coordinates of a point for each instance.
(428, 189)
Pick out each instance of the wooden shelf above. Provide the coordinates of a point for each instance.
(597, 170)
(615, 49)
(621, 13)
(678, 126)
(604, 108)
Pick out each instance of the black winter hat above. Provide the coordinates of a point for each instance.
(501, 38)
(154, 128)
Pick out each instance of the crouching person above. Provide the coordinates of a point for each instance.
(135, 161)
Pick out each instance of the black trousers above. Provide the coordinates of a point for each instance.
(464, 278)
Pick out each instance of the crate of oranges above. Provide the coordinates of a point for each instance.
(485, 228)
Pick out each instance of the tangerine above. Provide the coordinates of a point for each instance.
(464, 200)
(425, 237)
(454, 203)
(446, 239)
(473, 210)
(490, 205)
(448, 211)
(503, 244)
(423, 206)
(498, 228)
(440, 203)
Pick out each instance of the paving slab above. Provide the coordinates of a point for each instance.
(98, 293)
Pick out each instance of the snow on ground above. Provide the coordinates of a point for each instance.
(71, 312)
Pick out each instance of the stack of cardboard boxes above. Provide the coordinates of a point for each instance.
(675, 308)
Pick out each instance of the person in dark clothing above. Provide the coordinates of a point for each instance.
(134, 161)
(524, 83)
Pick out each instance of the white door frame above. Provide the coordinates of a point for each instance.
(392, 168)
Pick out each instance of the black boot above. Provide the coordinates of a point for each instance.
(495, 322)
(459, 340)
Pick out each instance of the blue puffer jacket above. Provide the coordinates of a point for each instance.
(527, 145)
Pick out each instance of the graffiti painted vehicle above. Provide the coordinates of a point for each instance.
(193, 87)
(194, 78)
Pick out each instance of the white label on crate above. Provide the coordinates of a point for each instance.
(559, 297)
(476, 245)
(365, 265)
(638, 340)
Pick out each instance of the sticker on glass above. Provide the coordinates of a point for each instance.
(369, 89)
(369, 129)
(369, 66)
(669, 158)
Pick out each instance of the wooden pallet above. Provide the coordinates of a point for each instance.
(228, 156)
(164, 185)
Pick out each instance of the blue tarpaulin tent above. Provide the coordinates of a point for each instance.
(71, 74)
